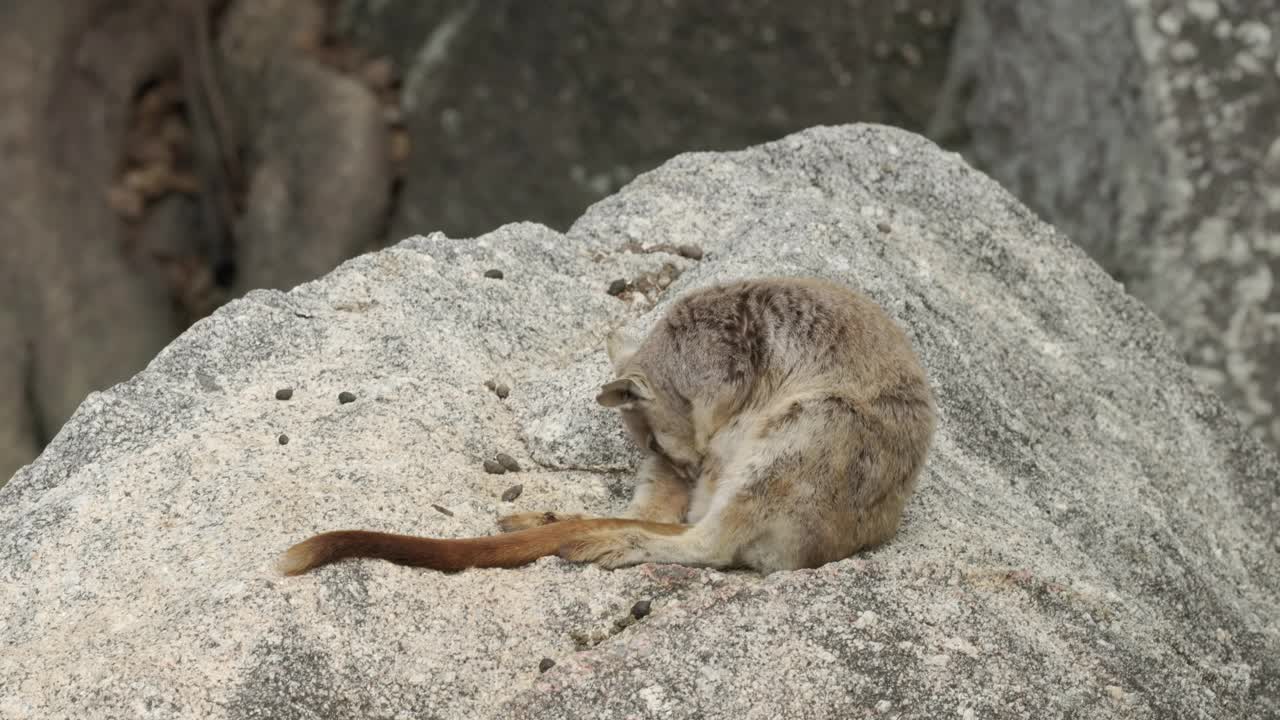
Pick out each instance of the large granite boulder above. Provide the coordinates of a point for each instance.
(1094, 535)
(1146, 131)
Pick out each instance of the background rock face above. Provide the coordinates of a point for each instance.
(1093, 536)
(76, 314)
(88, 297)
(1146, 131)
(523, 111)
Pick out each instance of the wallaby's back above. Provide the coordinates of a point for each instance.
(805, 405)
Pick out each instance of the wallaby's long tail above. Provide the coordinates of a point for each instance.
(504, 550)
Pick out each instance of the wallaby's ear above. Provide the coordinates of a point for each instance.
(623, 391)
(621, 345)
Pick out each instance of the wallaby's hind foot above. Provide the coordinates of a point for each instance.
(631, 545)
(526, 520)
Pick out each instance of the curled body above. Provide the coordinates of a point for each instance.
(785, 424)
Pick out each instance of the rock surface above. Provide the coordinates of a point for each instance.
(1146, 131)
(1094, 535)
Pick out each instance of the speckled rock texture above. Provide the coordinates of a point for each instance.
(1146, 130)
(1094, 535)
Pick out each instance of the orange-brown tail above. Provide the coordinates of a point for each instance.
(505, 550)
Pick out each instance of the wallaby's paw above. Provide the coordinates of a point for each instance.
(611, 550)
(526, 520)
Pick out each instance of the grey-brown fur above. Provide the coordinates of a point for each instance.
(786, 423)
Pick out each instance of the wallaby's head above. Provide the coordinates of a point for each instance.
(657, 420)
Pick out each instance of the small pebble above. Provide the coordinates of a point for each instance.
(508, 462)
(345, 397)
(617, 287)
(284, 439)
(494, 274)
(512, 493)
(640, 609)
(502, 390)
(883, 227)
(493, 467)
(443, 510)
(284, 393)
(693, 252)
(491, 384)
(546, 664)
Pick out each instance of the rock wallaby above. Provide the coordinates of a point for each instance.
(785, 423)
